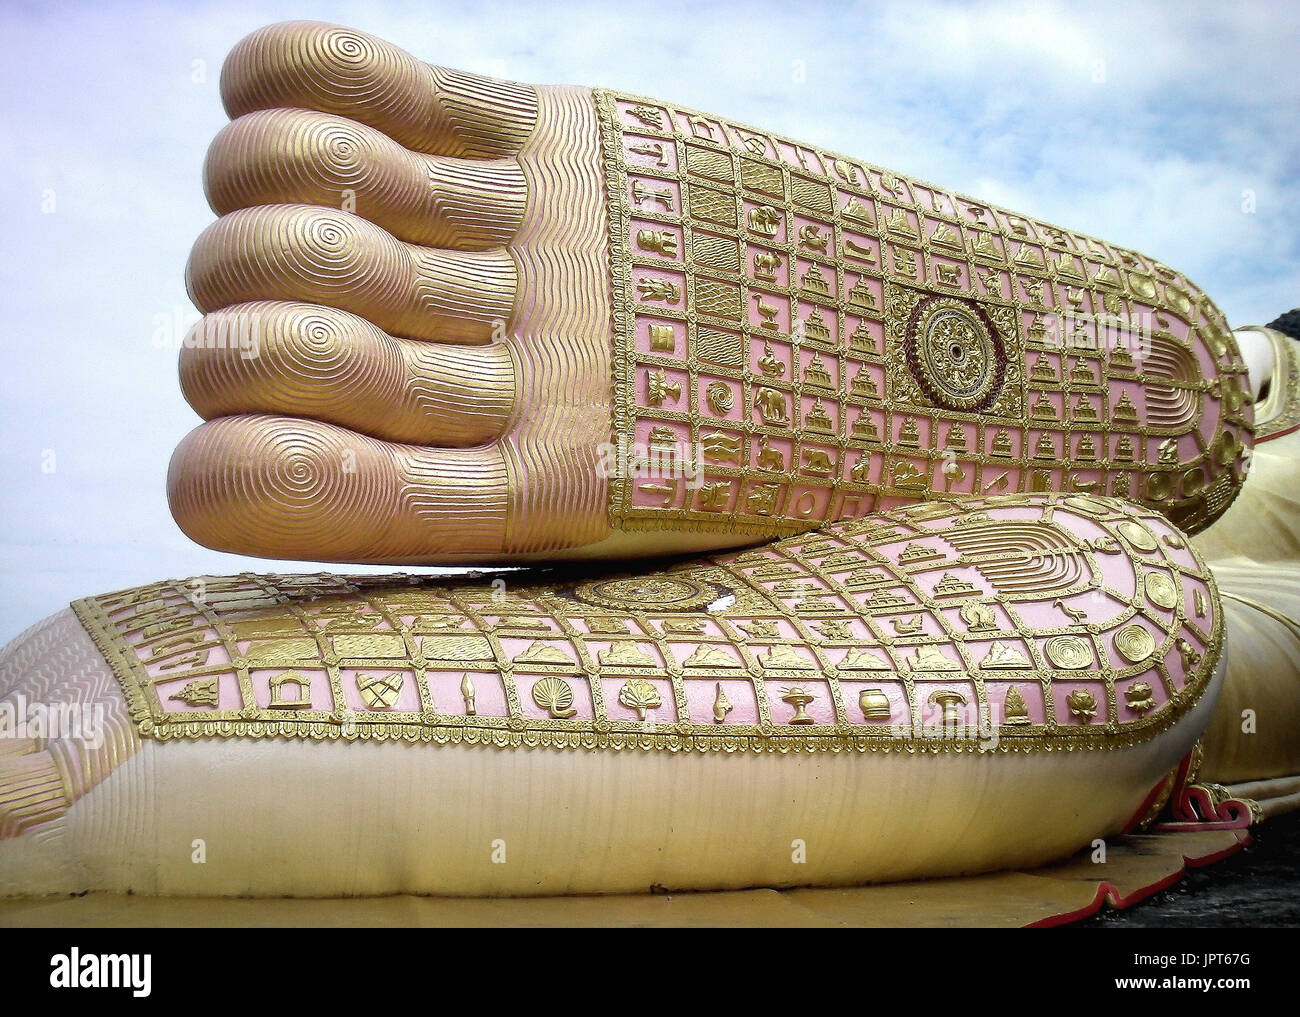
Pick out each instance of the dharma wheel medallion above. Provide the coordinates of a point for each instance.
(955, 354)
(660, 594)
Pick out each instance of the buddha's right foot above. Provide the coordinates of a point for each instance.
(423, 281)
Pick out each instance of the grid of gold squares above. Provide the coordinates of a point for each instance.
(864, 632)
(764, 283)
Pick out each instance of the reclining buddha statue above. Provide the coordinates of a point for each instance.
(858, 513)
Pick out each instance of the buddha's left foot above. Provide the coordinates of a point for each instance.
(926, 692)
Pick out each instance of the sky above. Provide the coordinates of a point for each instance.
(1167, 127)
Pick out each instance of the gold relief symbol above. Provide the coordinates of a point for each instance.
(799, 698)
(658, 289)
(659, 241)
(766, 264)
(641, 696)
(379, 693)
(720, 398)
(1138, 697)
(721, 705)
(659, 389)
(1160, 590)
(948, 301)
(813, 238)
(1135, 643)
(555, 696)
(770, 404)
(661, 338)
(720, 447)
(1082, 704)
(1015, 711)
(200, 692)
(949, 702)
(764, 220)
(874, 705)
(1069, 653)
(661, 196)
(290, 691)
(768, 457)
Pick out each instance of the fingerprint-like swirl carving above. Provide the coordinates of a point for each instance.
(299, 252)
(324, 66)
(291, 487)
(323, 363)
(291, 155)
(314, 66)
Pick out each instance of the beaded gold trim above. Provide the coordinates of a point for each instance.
(819, 337)
(1019, 623)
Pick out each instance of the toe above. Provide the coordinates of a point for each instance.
(304, 360)
(310, 65)
(299, 156)
(334, 258)
(282, 487)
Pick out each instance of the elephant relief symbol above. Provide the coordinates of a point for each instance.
(771, 406)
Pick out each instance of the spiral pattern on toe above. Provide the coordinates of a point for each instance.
(300, 252)
(281, 488)
(337, 70)
(299, 356)
(295, 359)
(272, 157)
(321, 256)
(318, 66)
(265, 156)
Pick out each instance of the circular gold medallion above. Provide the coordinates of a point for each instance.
(1134, 643)
(1160, 590)
(1137, 535)
(1070, 653)
(955, 353)
(1193, 482)
(652, 593)
(1159, 486)
(1142, 285)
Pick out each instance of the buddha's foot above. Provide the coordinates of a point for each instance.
(423, 281)
(930, 691)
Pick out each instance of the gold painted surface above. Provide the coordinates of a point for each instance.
(876, 635)
(887, 339)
